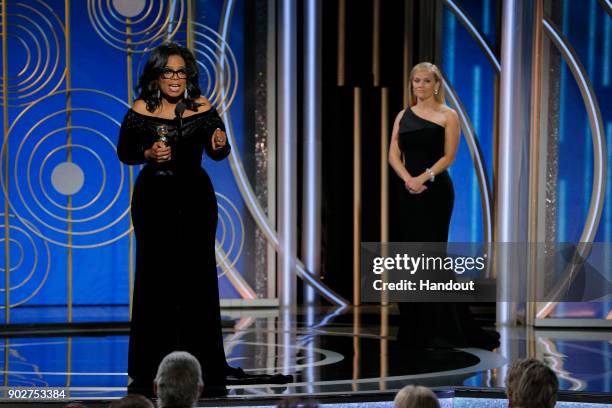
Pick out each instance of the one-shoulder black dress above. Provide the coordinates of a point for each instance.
(426, 217)
(174, 213)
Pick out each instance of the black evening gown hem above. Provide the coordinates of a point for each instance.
(174, 213)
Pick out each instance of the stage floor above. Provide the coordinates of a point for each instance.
(330, 352)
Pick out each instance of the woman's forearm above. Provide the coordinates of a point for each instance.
(438, 167)
(399, 168)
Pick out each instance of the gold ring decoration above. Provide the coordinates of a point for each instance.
(230, 235)
(136, 26)
(41, 178)
(217, 65)
(33, 261)
(36, 34)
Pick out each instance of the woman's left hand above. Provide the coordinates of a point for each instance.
(415, 186)
(219, 139)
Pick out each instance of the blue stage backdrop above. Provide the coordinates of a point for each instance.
(71, 68)
(472, 76)
(587, 29)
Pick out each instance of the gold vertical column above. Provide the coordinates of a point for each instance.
(341, 42)
(68, 149)
(356, 196)
(384, 226)
(534, 165)
(130, 97)
(376, 43)
(189, 25)
(7, 281)
(384, 172)
(356, 347)
(7, 248)
(407, 61)
(68, 158)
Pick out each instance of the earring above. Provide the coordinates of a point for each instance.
(436, 91)
(158, 93)
(185, 94)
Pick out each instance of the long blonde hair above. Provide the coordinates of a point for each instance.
(437, 74)
(412, 396)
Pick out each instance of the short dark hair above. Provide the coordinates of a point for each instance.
(148, 88)
(531, 383)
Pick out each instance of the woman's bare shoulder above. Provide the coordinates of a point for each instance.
(140, 106)
(450, 116)
(448, 111)
(204, 104)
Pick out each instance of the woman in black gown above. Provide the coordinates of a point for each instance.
(174, 213)
(423, 145)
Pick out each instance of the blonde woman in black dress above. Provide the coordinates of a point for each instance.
(423, 146)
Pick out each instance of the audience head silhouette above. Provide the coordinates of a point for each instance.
(530, 384)
(296, 402)
(178, 383)
(414, 396)
(132, 401)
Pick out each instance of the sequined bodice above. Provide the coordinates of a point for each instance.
(139, 132)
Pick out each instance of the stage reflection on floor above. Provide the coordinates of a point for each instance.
(329, 352)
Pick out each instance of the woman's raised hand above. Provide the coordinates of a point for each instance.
(219, 139)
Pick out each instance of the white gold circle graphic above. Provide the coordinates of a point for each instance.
(129, 8)
(67, 178)
(73, 194)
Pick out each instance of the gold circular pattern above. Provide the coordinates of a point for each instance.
(230, 234)
(97, 214)
(34, 261)
(35, 36)
(217, 65)
(158, 21)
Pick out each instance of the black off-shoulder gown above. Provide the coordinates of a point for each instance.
(426, 217)
(174, 212)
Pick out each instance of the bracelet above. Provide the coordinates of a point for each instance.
(432, 176)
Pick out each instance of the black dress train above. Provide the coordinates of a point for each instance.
(425, 217)
(174, 212)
